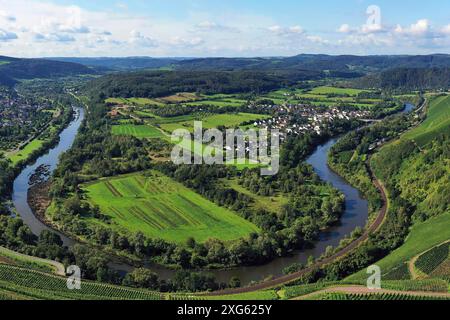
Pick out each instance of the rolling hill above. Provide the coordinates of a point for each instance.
(14, 69)
(345, 65)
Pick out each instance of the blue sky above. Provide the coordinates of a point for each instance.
(33, 28)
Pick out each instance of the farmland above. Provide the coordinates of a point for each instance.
(159, 207)
(19, 283)
(230, 120)
(324, 96)
(138, 131)
(429, 261)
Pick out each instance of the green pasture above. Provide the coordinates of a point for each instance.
(437, 122)
(138, 131)
(162, 208)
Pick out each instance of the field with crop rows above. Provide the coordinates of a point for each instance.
(162, 208)
(432, 259)
(19, 283)
(138, 131)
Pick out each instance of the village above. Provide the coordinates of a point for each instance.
(302, 118)
(21, 119)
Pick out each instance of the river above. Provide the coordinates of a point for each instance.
(50, 159)
(355, 214)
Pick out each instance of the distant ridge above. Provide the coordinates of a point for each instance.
(319, 62)
(14, 69)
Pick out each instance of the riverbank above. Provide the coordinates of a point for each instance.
(48, 158)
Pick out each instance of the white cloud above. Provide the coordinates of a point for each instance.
(317, 39)
(282, 31)
(446, 29)
(44, 28)
(186, 42)
(137, 38)
(6, 16)
(213, 26)
(372, 28)
(345, 28)
(420, 28)
(7, 36)
(53, 37)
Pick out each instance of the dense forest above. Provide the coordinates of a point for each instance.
(12, 69)
(164, 83)
(409, 79)
(343, 66)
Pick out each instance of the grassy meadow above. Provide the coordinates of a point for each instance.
(24, 153)
(138, 131)
(437, 122)
(162, 208)
(272, 204)
(213, 121)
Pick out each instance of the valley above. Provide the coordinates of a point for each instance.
(224, 231)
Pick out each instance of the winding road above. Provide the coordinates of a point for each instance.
(342, 253)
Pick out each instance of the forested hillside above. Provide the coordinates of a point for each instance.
(346, 64)
(409, 79)
(163, 83)
(12, 69)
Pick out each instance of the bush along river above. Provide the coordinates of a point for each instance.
(355, 214)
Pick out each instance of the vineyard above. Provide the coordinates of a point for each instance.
(19, 283)
(301, 290)
(381, 296)
(432, 259)
(429, 285)
(399, 273)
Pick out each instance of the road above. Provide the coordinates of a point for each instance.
(342, 253)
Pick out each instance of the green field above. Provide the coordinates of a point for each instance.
(437, 122)
(321, 96)
(228, 120)
(138, 131)
(25, 152)
(271, 204)
(423, 236)
(333, 90)
(226, 102)
(163, 208)
(134, 101)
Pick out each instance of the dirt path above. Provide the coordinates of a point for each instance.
(366, 291)
(59, 267)
(412, 269)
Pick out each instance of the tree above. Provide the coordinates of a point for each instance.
(48, 238)
(142, 278)
(235, 282)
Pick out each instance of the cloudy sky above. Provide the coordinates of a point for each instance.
(187, 28)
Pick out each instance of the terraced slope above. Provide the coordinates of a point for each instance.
(19, 283)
